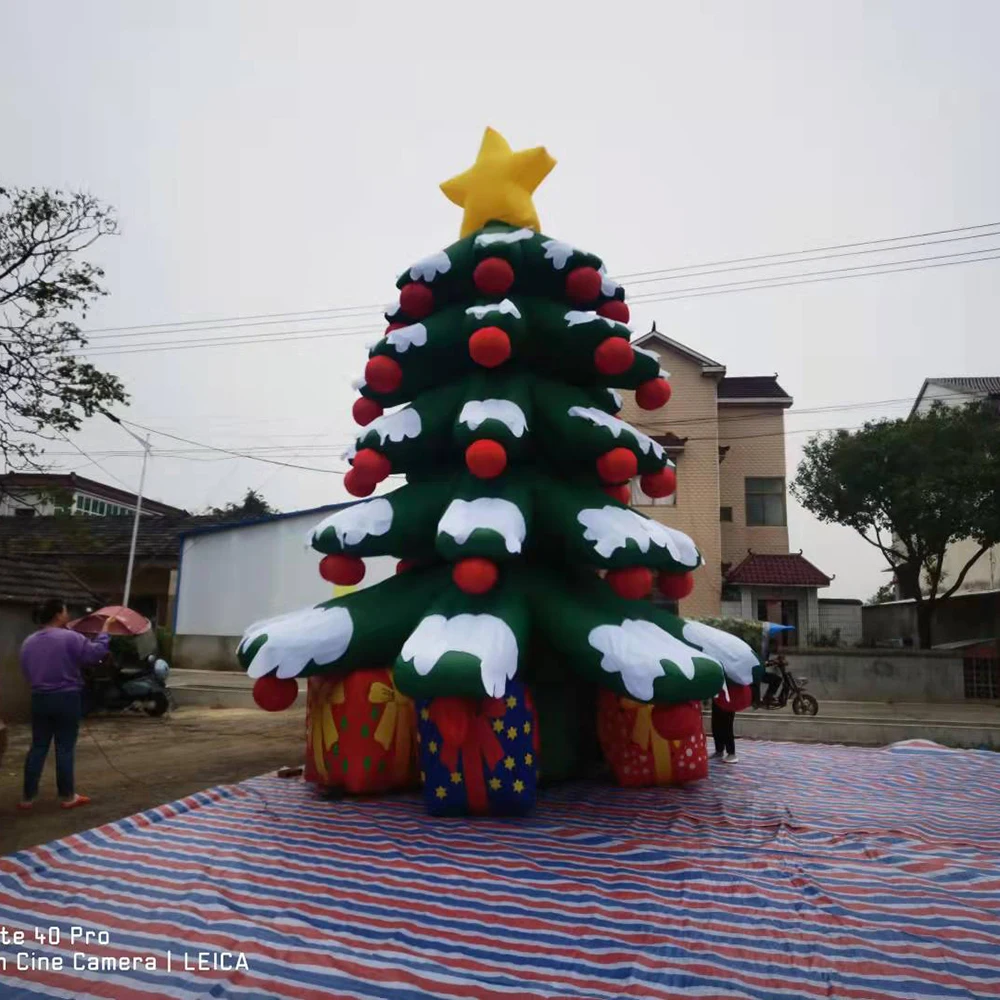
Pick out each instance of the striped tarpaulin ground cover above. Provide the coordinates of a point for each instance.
(802, 871)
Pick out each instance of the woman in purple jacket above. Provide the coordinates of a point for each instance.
(52, 660)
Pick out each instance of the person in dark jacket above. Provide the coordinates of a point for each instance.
(52, 661)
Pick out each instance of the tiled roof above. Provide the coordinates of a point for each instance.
(752, 387)
(786, 570)
(83, 536)
(31, 581)
(988, 386)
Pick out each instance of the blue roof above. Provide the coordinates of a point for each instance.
(266, 519)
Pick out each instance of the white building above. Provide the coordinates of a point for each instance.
(231, 575)
(42, 494)
(985, 573)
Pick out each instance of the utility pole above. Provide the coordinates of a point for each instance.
(138, 513)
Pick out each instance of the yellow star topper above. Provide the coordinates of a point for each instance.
(499, 185)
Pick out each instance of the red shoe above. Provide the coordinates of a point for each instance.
(77, 800)
(26, 806)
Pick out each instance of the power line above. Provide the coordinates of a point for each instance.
(826, 256)
(833, 246)
(727, 288)
(244, 320)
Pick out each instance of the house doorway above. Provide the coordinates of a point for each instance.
(781, 612)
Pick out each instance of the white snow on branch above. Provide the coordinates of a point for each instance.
(617, 427)
(664, 374)
(392, 308)
(406, 336)
(398, 426)
(478, 411)
(505, 308)
(358, 521)
(430, 267)
(488, 638)
(558, 252)
(359, 382)
(647, 352)
(736, 657)
(608, 284)
(463, 517)
(487, 239)
(640, 651)
(577, 316)
(321, 634)
(348, 454)
(610, 528)
(616, 398)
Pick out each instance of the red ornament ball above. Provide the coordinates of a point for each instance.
(493, 276)
(345, 571)
(675, 586)
(489, 346)
(622, 493)
(632, 583)
(404, 564)
(416, 300)
(616, 310)
(617, 466)
(583, 284)
(383, 374)
(372, 465)
(366, 410)
(486, 459)
(659, 484)
(357, 485)
(475, 575)
(653, 394)
(275, 694)
(394, 326)
(613, 356)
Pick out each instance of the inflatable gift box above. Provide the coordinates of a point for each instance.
(479, 756)
(649, 744)
(361, 733)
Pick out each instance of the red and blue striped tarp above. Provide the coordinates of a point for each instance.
(801, 872)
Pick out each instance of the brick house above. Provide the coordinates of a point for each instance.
(726, 435)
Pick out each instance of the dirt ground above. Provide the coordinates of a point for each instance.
(128, 763)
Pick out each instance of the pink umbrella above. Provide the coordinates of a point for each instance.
(127, 621)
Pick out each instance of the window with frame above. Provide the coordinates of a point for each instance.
(640, 499)
(765, 499)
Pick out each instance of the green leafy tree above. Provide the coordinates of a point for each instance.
(912, 488)
(884, 594)
(253, 504)
(46, 389)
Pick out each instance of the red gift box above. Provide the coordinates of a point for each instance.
(360, 733)
(651, 744)
(734, 697)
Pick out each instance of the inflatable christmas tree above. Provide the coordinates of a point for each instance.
(521, 611)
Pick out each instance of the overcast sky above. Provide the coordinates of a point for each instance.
(274, 157)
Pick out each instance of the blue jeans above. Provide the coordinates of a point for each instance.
(53, 714)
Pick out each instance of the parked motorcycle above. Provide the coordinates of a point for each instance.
(790, 688)
(115, 686)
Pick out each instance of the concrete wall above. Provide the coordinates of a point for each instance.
(692, 413)
(755, 436)
(206, 652)
(15, 695)
(962, 617)
(880, 675)
(843, 617)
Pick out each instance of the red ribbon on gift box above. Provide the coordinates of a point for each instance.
(466, 726)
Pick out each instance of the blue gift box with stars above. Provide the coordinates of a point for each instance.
(479, 756)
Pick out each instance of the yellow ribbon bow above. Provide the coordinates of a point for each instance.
(323, 732)
(644, 734)
(397, 725)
